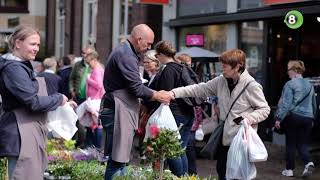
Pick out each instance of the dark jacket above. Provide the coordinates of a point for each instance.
(64, 73)
(168, 79)
(122, 72)
(53, 82)
(76, 76)
(18, 89)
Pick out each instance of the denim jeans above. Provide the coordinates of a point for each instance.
(179, 165)
(112, 166)
(12, 162)
(94, 137)
(298, 129)
(191, 154)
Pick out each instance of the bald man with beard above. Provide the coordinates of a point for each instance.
(123, 88)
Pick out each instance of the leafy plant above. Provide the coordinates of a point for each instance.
(60, 144)
(162, 144)
(138, 173)
(3, 168)
(84, 170)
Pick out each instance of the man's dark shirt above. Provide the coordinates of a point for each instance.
(122, 72)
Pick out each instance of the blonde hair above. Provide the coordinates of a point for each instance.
(20, 33)
(50, 63)
(93, 55)
(151, 54)
(297, 66)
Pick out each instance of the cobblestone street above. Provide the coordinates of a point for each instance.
(269, 170)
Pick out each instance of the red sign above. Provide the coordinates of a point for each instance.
(195, 40)
(271, 2)
(164, 2)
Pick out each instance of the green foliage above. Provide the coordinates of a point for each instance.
(60, 144)
(61, 168)
(82, 170)
(165, 145)
(3, 168)
(138, 173)
(70, 145)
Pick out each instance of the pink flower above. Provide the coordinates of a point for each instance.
(51, 158)
(154, 131)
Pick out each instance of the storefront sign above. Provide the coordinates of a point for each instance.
(163, 2)
(272, 2)
(195, 40)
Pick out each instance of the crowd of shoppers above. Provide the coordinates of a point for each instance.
(119, 87)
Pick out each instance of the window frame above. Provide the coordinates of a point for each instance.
(17, 9)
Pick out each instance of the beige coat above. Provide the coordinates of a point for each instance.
(251, 104)
(32, 162)
(125, 122)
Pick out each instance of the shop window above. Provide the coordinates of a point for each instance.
(251, 4)
(192, 7)
(251, 43)
(13, 6)
(215, 40)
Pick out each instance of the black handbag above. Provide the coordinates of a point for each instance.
(215, 140)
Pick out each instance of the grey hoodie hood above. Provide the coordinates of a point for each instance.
(9, 58)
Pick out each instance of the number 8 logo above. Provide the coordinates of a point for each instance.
(294, 19)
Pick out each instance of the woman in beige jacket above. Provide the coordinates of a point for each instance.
(251, 106)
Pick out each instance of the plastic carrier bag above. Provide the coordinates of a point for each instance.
(62, 122)
(238, 164)
(163, 118)
(256, 149)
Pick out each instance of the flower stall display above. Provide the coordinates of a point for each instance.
(67, 162)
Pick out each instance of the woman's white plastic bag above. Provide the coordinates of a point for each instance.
(238, 165)
(199, 134)
(62, 122)
(88, 112)
(256, 149)
(163, 118)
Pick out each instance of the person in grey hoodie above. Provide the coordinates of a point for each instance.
(23, 129)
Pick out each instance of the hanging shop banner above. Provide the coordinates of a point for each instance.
(161, 2)
(273, 2)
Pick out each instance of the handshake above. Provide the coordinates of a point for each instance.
(163, 96)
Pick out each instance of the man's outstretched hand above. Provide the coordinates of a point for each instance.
(163, 96)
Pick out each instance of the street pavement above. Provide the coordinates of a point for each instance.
(268, 170)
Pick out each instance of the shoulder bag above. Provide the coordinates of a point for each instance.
(215, 140)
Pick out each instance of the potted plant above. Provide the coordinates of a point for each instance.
(161, 145)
